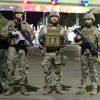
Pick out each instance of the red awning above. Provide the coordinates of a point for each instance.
(49, 8)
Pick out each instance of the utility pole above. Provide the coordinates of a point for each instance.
(25, 15)
(43, 18)
(77, 20)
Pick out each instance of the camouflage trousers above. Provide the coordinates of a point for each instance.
(17, 60)
(52, 65)
(88, 66)
(3, 68)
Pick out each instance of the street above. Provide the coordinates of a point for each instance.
(71, 75)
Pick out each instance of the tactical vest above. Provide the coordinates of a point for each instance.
(23, 26)
(53, 39)
(90, 33)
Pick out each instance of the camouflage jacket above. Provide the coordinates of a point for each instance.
(7, 29)
(93, 34)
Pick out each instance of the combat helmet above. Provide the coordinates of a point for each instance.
(89, 16)
(54, 13)
(19, 9)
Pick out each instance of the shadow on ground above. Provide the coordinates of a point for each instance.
(89, 88)
(64, 88)
(28, 87)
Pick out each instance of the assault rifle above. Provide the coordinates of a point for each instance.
(20, 38)
(87, 43)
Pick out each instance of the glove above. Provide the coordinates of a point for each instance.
(14, 33)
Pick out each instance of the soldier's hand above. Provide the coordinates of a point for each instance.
(78, 37)
(14, 33)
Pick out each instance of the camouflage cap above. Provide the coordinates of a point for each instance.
(18, 9)
(54, 13)
(89, 16)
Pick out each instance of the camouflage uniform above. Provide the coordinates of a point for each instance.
(52, 58)
(3, 54)
(17, 53)
(88, 60)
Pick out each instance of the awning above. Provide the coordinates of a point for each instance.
(49, 8)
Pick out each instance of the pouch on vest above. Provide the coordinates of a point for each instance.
(23, 26)
(53, 38)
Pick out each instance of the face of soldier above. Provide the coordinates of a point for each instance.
(54, 19)
(88, 22)
(18, 15)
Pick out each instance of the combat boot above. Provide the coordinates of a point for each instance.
(23, 90)
(10, 91)
(82, 90)
(94, 91)
(59, 90)
(47, 90)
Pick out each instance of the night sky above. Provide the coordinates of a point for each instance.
(34, 17)
(31, 17)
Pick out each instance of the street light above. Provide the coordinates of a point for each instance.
(53, 2)
(84, 2)
(25, 1)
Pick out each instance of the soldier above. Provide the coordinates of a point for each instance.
(3, 53)
(52, 39)
(88, 60)
(17, 52)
